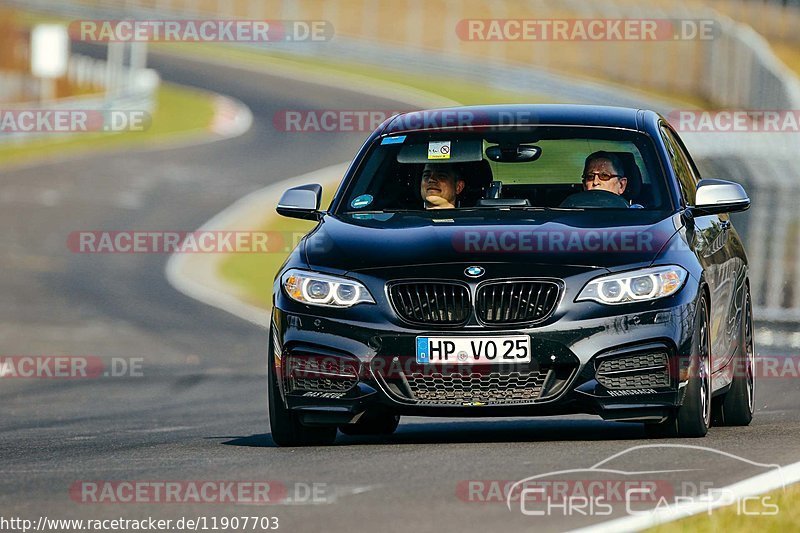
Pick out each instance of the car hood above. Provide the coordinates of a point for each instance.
(600, 239)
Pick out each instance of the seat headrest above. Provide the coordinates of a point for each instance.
(632, 172)
(476, 174)
(477, 178)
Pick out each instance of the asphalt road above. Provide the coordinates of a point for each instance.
(199, 411)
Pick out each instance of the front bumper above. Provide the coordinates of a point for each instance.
(372, 365)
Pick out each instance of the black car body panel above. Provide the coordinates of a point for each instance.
(416, 241)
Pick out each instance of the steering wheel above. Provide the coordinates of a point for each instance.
(594, 199)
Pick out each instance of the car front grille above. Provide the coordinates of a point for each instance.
(320, 373)
(516, 302)
(498, 303)
(472, 385)
(635, 381)
(493, 388)
(638, 371)
(435, 303)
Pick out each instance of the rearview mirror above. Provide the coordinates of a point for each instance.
(514, 153)
(719, 196)
(301, 202)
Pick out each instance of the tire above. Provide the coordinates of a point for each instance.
(284, 424)
(372, 424)
(693, 417)
(737, 405)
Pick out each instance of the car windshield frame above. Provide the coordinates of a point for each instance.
(648, 148)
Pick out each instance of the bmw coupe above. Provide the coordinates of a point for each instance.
(514, 261)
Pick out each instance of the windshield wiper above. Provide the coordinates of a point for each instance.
(381, 211)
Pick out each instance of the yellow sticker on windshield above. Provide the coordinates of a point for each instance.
(439, 150)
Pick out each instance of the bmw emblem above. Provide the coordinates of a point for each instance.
(474, 271)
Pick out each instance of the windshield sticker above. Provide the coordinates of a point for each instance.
(439, 150)
(361, 201)
(398, 139)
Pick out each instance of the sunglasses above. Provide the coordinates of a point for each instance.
(604, 176)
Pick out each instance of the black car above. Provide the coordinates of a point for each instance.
(581, 267)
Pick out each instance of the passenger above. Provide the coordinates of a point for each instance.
(440, 185)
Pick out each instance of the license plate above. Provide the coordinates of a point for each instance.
(512, 349)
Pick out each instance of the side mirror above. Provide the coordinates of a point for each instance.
(301, 202)
(719, 196)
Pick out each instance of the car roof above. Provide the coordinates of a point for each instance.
(505, 115)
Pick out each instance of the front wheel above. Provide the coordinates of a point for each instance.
(693, 417)
(287, 430)
(737, 406)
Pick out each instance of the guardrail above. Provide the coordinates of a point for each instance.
(736, 69)
(778, 19)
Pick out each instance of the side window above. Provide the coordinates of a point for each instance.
(684, 153)
(683, 168)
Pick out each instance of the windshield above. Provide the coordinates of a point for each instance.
(551, 167)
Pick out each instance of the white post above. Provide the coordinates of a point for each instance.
(49, 57)
(139, 55)
(138, 61)
(114, 60)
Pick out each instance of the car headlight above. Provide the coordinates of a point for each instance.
(325, 290)
(639, 285)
